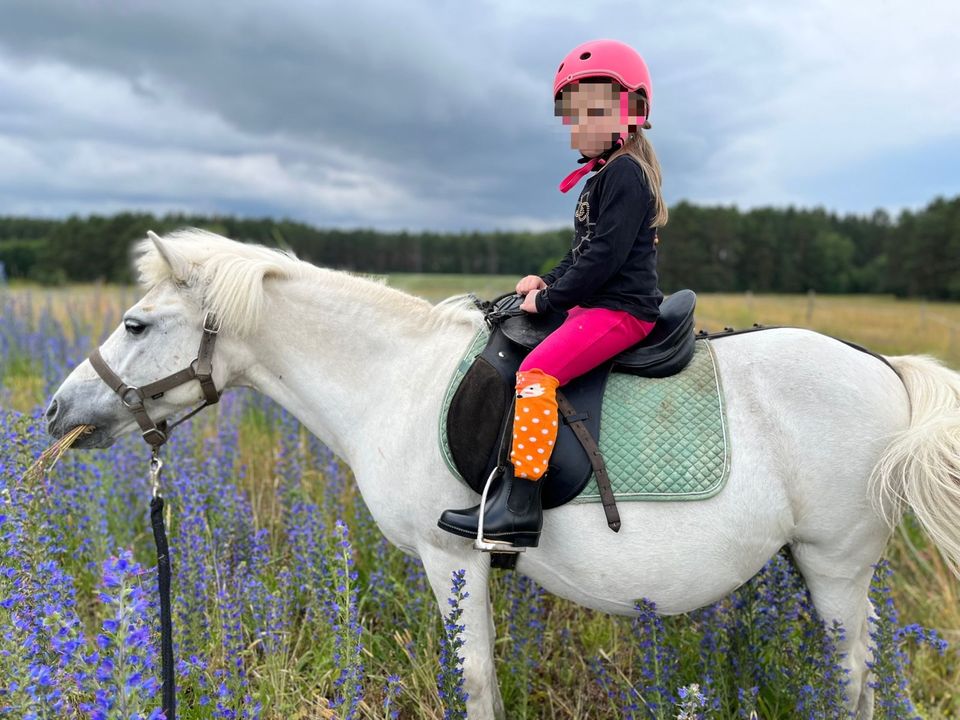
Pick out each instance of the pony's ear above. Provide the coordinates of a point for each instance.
(178, 268)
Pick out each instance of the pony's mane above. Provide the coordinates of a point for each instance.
(229, 279)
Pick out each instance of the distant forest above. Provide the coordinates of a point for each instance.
(707, 249)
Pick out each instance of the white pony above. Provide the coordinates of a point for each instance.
(828, 443)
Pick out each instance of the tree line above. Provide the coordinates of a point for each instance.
(708, 249)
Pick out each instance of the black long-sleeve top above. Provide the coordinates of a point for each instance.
(613, 261)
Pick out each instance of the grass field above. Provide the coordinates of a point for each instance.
(290, 604)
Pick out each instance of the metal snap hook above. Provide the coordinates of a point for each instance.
(156, 466)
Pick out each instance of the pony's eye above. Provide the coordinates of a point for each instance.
(133, 327)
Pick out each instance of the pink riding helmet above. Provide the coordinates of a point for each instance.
(605, 58)
(611, 59)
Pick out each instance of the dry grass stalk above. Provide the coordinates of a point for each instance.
(49, 457)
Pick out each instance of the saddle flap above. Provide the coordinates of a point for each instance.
(481, 407)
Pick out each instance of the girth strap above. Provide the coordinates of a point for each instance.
(590, 447)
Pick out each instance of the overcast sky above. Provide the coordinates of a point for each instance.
(439, 115)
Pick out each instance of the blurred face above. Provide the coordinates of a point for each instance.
(592, 110)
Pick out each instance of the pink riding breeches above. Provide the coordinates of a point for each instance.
(587, 338)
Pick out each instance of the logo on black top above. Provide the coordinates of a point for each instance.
(583, 207)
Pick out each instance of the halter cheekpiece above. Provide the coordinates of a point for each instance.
(133, 397)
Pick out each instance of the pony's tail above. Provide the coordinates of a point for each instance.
(921, 467)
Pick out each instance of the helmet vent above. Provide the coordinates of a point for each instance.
(560, 68)
(585, 56)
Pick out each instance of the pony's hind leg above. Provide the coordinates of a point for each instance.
(839, 587)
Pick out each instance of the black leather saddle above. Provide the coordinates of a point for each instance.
(664, 352)
(481, 406)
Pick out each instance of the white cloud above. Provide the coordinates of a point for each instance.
(841, 83)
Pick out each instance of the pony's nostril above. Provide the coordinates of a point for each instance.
(52, 410)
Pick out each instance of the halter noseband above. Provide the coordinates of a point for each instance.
(132, 397)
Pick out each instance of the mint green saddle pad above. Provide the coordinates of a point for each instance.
(661, 438)
(665, 438)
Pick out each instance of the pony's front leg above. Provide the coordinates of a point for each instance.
(480, 675)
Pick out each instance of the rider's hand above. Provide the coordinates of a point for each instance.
(529, 303)
(530, 283)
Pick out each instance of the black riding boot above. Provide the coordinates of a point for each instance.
(513, 514)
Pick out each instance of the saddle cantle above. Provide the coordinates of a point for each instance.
(478, 409)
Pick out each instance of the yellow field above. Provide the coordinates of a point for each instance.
(881, 323)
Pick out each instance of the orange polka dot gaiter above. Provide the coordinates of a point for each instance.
(534, 424)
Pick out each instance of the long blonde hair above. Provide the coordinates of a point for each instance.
(640, 148)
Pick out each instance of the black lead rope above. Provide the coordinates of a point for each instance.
(156, 434)
(169, 691)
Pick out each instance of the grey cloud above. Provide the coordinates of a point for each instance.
(400, 86)
(446, 101)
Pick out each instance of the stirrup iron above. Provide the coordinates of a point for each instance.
(491, 546)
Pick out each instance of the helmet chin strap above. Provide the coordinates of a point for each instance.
(591, 163)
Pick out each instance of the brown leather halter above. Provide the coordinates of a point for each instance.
(201, 369)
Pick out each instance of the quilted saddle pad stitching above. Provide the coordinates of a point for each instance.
(707, 492)
(727, 451)
(591, 495)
